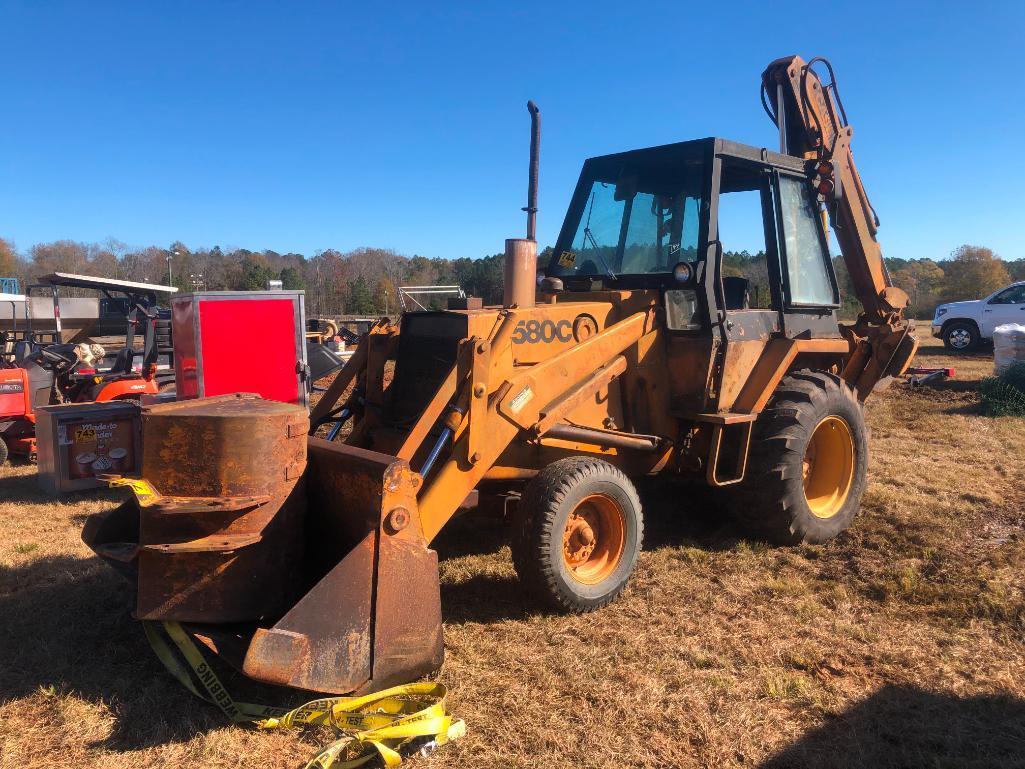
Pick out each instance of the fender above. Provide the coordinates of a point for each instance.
(125, 389)
(15, 394)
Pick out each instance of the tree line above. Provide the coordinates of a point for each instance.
(365, 281)
(971, 272)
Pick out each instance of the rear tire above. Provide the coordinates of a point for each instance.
(808, 462)
(4, 452)
(961, 337)
(577, 534)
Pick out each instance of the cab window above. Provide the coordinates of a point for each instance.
(744, 198)
(633, 232)
(807, 265)
(1012, 295)
(639, 217)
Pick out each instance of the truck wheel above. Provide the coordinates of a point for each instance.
(961, 337)
(4, 453)
(808, 460)
(577, 534)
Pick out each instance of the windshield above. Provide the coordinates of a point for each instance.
(639, 221)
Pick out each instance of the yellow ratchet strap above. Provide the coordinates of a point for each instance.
(375, 724)
(144, 493)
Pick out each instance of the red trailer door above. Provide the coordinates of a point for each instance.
(236, 341)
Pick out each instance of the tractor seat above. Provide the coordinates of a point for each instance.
(123, 361)
(23, 348)
(735, 290)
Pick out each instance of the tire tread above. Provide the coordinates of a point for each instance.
(762, 502)
(534, 528)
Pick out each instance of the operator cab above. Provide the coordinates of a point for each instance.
(730, 235)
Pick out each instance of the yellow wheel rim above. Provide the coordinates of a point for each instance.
(594, 538)
(829, 466)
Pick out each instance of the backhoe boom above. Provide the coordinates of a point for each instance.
(813, 125)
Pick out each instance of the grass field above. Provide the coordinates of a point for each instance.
(899, 644)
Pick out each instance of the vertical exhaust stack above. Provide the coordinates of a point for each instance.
(520, 279)
(535, 154)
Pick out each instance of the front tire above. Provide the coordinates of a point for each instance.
(961, 337)
(808, 462)
(577, 534)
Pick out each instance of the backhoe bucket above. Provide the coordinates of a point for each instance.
(299, 560)
(374, 619)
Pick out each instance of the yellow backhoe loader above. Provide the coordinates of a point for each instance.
(307, 562)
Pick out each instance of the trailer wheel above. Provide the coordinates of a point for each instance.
(577, 534)
(807, 466)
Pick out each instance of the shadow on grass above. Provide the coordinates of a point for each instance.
(470, 534)
(687, 514)
(65, 626)
(487, 598)
(675, 516)
(24, 489)
(985, 352)
(903, 726)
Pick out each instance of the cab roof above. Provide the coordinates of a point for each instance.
(698, 149)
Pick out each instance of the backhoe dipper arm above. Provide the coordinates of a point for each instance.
(813, 125)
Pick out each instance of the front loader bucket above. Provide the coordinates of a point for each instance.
(299, 560)
(374, 619)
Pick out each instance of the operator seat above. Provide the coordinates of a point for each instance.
(122, 361)
(40, 383)
(735, 291)
(23, 348)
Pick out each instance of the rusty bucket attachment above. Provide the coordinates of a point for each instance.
(222, 539)
(324, 562)
(374, 618)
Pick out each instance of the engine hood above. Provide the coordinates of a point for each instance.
(967, 304)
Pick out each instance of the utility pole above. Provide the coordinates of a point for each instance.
(170, 281)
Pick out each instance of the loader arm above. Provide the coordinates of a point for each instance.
(813, 125)
(504, 400)
(352, 372)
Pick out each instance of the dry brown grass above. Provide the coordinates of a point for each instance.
(900, 644)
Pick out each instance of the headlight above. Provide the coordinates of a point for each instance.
(683, 272)
(682, 310)
(941, 311)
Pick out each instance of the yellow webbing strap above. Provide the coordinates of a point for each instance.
(144, 493)
(380, 723)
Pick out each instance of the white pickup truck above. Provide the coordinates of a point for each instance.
(962, 325)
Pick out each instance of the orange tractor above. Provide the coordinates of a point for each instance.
(307, 562)
(39, 374)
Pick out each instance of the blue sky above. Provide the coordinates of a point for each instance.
(304, 126)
